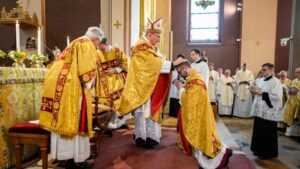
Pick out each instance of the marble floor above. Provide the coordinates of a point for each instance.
(288, 147)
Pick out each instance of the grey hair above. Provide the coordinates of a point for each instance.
(94, 32)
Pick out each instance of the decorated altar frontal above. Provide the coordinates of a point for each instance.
(20, 99)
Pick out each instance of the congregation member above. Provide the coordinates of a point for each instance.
(174, 101)
(224, 92)
(292, 107)
(199, 64)
(213, 75)
(267, 110)
(285, 83)
(243, 98)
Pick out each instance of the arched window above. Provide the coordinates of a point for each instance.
(204, 24)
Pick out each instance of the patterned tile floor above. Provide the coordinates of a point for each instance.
(288, 147)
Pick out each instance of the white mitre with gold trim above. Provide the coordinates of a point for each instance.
(154, 27)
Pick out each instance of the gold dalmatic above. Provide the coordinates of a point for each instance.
(111, 86)
(143, 74)
(292, 106)
(197, 118)
(285, 84)
(64, 88)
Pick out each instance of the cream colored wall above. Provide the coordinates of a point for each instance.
(258, 33)
(163, 9)
(111, 12)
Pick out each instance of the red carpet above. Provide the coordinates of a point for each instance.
(120, 152)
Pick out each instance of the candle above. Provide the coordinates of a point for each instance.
(17, 36)
(39, 40)
(68, 40)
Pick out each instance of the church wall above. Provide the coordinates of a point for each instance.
(295, 57)
(225, 54)
(258, 33)
(163, 9)
(283, 30)
(69, 18)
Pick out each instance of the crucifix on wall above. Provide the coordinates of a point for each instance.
(117, 24)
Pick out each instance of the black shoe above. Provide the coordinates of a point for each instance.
(108, 133)
(228, 157)
(140, 142)
(151, 142)
(70, 164)
(124, 126)
(148, 146)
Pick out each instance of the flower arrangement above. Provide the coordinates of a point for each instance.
(18, 57)
(2, 54)
(38, 60)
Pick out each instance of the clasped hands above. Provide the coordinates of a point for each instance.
(110, 71)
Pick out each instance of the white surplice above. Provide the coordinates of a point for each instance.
(225, 100)
(145, 127)
(243, 100)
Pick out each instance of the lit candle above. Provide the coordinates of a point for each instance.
(17, 36)
(68, 40)
(39, 40)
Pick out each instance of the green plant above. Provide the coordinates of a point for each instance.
(17, 56)
(2, 54)
(35, 58)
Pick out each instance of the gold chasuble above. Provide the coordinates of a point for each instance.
(66, 104)
(285, 84)
(196, 123)
(111, 86)
(292, 106)
(142, 80)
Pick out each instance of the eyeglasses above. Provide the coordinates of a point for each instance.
(264, 69)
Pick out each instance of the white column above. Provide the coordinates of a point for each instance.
(18, 36)
(39, 39)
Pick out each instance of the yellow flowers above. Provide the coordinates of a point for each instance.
(17, 56)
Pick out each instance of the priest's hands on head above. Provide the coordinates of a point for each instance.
(110, 71)
(179, 61)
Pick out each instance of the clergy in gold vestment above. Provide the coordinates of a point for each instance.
(110, 79)
(285, 83)
(243, 101)
(146, 87)
(66, 109)
(224, 93)
(196, 124)
(291, 111)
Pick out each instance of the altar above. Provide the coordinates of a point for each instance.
(20, 98)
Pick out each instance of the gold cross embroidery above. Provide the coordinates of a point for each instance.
(117, 24)
(257, 43)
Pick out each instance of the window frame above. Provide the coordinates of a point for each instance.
(205, 42)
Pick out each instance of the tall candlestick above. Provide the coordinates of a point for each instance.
(68, 40)
(17, 36)
(39, 39)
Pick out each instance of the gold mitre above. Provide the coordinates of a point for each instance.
(154, 27)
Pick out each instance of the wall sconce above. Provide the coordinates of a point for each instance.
(239, 7)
